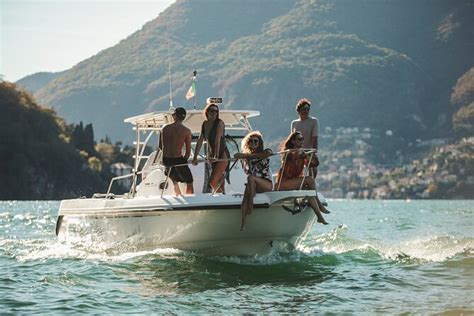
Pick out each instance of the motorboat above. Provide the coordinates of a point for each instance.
(150, 216)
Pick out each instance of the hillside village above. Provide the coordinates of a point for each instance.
(446, 170)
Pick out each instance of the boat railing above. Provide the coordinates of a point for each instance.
(311, 152)
(160, 167)
(109, 194)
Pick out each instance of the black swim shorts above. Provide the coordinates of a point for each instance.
(178, 174)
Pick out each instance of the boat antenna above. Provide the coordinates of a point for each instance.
(169, 64)
(195, 88)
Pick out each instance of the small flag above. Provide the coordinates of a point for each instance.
(192, 91)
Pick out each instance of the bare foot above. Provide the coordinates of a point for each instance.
(325, 210)
(242, 222)
(322, 221)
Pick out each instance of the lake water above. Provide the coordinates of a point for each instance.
(375, 257)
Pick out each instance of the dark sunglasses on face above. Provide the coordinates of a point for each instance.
(304, 108)
(299, 138)
(254, 141)
(213, 111)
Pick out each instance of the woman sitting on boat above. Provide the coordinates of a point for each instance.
(213, 131)
(293, 162)
(256, 165)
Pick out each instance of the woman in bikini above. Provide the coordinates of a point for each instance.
(213, 131)
(256, 165)
(292, 176)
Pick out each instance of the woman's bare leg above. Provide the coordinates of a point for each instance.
(262, 185)
(321, 206)
(308, 183)
(253, 185)
(217, 176)
(244, 207)
(314, 205)
(259, 185)
(290, 184)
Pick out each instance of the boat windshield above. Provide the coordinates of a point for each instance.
(233, 144)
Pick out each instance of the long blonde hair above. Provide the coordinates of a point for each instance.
(246, 141)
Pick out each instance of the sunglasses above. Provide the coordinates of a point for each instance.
(304, 108)
(299, 138)
(254, 141)
(213, 111)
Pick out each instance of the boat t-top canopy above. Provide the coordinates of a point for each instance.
(233, 120)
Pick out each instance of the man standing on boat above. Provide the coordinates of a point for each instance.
(173, 137)
(308, 126)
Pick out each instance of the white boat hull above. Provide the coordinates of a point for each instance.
(201, 223)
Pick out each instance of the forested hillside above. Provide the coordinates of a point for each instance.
(36, 81)
(387, 65)
(42, 157)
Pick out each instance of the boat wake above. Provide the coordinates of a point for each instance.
(34, 250)
(421, 249)
(327, 248)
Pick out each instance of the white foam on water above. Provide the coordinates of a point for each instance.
(268, 259)
(58, 250)
(85, 248)
(430, 249)
(336, 241)
(433, 249)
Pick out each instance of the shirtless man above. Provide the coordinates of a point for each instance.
(173, 137)
(307, 125)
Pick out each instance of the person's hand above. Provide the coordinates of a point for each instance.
(194, 162)
(267, 153)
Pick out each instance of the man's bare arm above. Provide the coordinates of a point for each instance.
(187, 143)
(198, 147)
(160, 143)
(314, 141)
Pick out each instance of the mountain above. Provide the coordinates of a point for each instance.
(36, 81)
(383, 64)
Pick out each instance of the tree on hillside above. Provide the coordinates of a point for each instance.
(83, 138)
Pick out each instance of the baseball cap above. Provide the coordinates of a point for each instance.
(180, 113)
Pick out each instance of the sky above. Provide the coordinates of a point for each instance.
(55, 35)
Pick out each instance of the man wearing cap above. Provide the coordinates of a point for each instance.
(173, 137)
(307, 125)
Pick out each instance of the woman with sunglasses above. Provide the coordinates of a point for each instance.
(290, 176)
(256, 165)
(213, 131)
